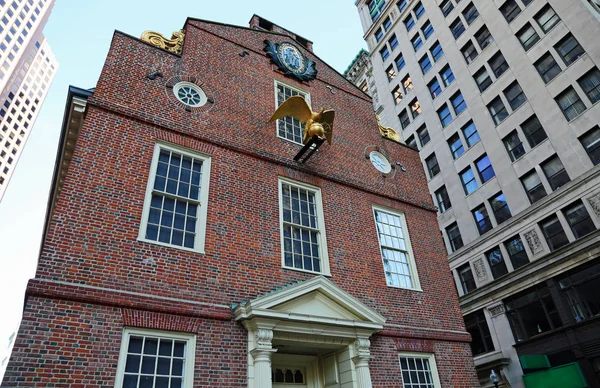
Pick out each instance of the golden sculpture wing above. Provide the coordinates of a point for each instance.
(327, 121)
(294, 106)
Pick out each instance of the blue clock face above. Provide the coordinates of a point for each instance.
(291, 57)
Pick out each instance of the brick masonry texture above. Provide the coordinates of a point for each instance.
(94, 277)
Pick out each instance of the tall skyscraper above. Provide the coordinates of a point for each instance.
(500, 98)
(27, 68)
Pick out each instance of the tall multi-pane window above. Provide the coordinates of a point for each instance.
(580, 288)
(533, 186)
(457, 28)
(458, 103)
(427, 30)
(554, 233)
(419, 10)
(390, 72)
(482, 219)
(546, 18)
(433, 168)
(398, 263)
(407, 84)
(302, 231)
(470, 13)
(456, 147)
(555, 172)
(579, 219)
(454, 237)
(485, 169)
(379, 34)
(425, 64)
(483, 37)
(467, 281)
(569, 49)
(409, 22)
(446, 6)
(590, 83)
(467, 178)
(384, 52)
(497, 110)
(500, 208)
(151, 358)
(570, 103)
(412, 143)
(516, 252)
(498, 64)
(533, 130)
(442, 199)
(393, 42)
(434, 88)
(531, 312)
(469, 52)
(423, 135)
(176, 198)
(397, 95)
(510, 10)
(515, 96)
(404, 119)
(415, 108)
(482, 79)
(481, 339)
(289, 128)
(445, 115)
(527, 36)
(376, 8)
(447, 75)
(402, 4)
(470, 133)
(419, 370)
(514, 146)
(496, 262)
(436, 51)
(547, 67)
(399, 62)
(417, 42)
(591, 142)
(387, 24)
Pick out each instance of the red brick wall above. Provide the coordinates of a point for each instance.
(92, 237)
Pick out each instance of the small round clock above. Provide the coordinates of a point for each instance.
(380, 162)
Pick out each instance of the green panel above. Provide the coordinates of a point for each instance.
(534, 361)
(564, 376)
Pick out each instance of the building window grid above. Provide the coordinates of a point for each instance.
(591, 143)
(447, 75)
(397, 258)
(533, 186)
(390, 72)
(516, 252)
(498, 64)
(434, 88)
(482, 219)
(590, 84)
(446, 6)
(427, 30)
(404, 119)
(302, 230)
(579, 219)
(417, 42)
(579, 290)
(497, 110)
(289, 127)
(454, 237)
(469, 183)
(425, 64)
(484, 168)
(418, 371)
(415, 108)
(470, 133)
(419, 10)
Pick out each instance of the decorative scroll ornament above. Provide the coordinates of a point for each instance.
(290, 60)
(533, 240)
(362, 347)
(387, 132)
(263, 338)
(480, 270)
(174, 45)
(594, 202)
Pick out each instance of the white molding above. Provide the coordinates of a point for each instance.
(190, 352)
(325, 269)
(199, 241)
(411, 256)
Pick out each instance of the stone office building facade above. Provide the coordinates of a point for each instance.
(185, 247)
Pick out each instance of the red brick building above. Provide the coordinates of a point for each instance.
(185, 247)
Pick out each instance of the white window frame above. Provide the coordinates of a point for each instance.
(306, 97)
(431, 358)
(325, 270)
(202, 212)
(190, 352)
(410, 254)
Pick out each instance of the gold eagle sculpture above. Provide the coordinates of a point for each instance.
(317, 123)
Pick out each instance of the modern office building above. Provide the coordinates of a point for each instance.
(500, 98)
(191, 241)
(27, 68)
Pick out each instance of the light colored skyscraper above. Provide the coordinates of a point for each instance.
(500, 98)
(27, 68)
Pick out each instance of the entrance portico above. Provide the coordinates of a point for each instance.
(311, 334)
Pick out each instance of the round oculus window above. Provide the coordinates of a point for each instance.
(190, 94)
(380, 162)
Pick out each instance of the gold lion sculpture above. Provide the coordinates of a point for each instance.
(317, 123)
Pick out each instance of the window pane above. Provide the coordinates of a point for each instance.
(513, 145)
(579, 219)
(447, 75)
(469, 52)
(482, 79)
(510, 10)
(468, 180)
(533, 186)
(516, 252)
(404, 119)
(498, 64)
(546, 18)
(496, 262)
(443, 200)
(289, 127)
(554, 233)
(547, 67)
(476, 325)
(416, 372)
(444, 115)
(483, 37)
(436, 51)
(590, 83)
(466, 278)
(457, 28)
(591, 143)
(555, 172)
(432, 166)
(528, 36)
(515, 96)
(569, 49)
(570, 103)
(456, 147)
(482, 219)
(470, 13)
(454, 238)
(423, 135)
(470, 133)
(534, 132)
(394, 249)
(446, 6)
(434, 88)
(497, 110)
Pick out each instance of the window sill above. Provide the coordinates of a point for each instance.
(199, 251)
(527, 152)
(291, 141)
(584, 112)
(417, 289)
(328, 274)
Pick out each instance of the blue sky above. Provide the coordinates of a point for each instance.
(80, 33)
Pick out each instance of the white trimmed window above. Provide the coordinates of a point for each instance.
(398, 259)
(289, 128)
(419, 370)
(303, 242)
(151, 358)
(176, 196)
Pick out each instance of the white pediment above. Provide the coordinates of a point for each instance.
(316, 301)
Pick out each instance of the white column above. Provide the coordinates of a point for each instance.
(261, 355)
(361, 362)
